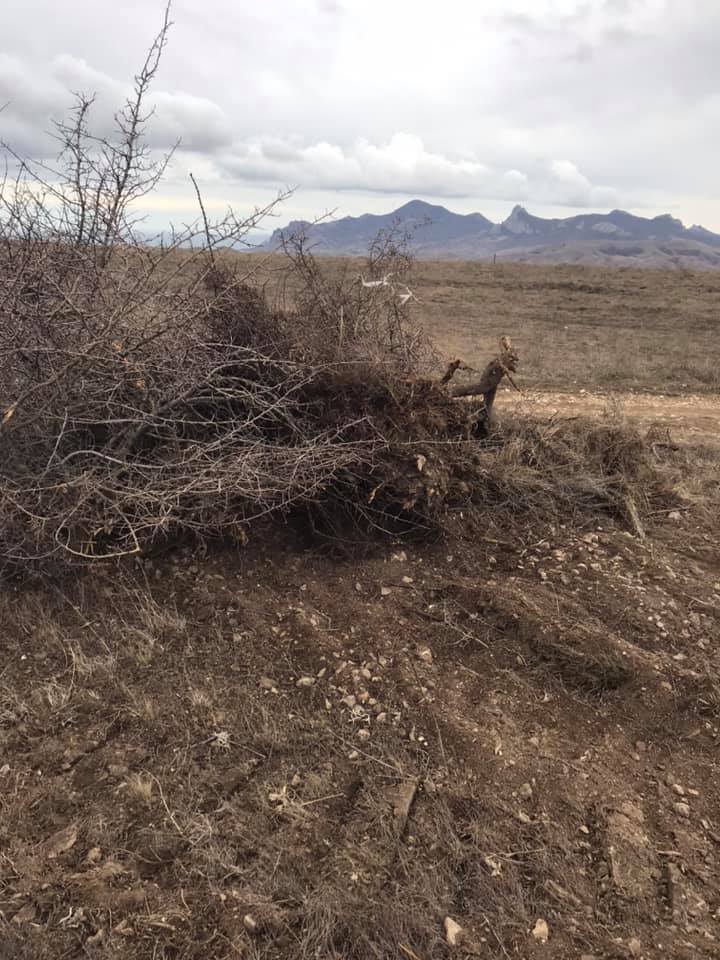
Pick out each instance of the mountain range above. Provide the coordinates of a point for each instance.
(588, 238)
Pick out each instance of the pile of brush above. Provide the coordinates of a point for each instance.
(148, 390)
(200, 411)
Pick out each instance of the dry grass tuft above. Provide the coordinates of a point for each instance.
(140, 786)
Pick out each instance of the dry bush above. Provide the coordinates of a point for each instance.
(146, 388)
(338, 319)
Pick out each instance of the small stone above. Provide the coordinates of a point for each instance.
(425, 655)
(296, 780)
(407, 580)
(585, 830)
(675, 515)
(60, 842)
(635, 947)
(682, 809)
(117, 769)
(353, 755)
(250, 923)
(382, 717)
(541, 931)
(678, 789)
(385, 591)
(523, 817)
(265, 683)
(305, 682)
(525, 792)
(453, 932)
(25, 914)
(363, 735)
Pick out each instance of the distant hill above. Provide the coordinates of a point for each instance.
(589, 238)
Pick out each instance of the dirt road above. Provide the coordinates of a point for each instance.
(690, 418)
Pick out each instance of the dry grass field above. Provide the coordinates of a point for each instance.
(640, 330)
(575, 327)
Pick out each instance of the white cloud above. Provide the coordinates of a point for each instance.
(574, 188)
(198, 123)
(404, 165)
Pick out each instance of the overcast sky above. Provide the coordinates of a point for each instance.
(561, 105)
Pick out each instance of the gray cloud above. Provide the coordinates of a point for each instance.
(35, 96)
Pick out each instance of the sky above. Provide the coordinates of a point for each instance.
(563, 106)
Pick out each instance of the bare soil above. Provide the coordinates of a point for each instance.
(691, 419)
(272, 752)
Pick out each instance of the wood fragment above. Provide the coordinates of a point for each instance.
(408, 952)
(504, 365)
(452, 368)
(402, 797)
(634, 518)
